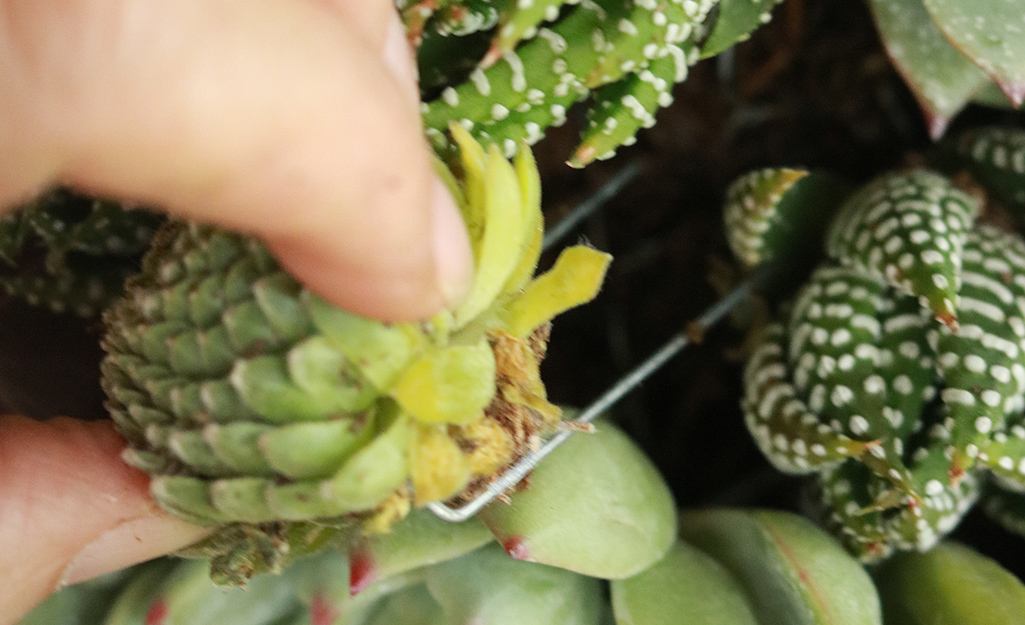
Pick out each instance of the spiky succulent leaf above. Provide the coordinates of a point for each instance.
(909, 229)
(995, 155)
(942, 79)
(870, 354)
(735, 22)
(989, 33)
(520, 21)
(788, 432)
(770, 214)
(623, 107)
(70, 252)
(518, 92)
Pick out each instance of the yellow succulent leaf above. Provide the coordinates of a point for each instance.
(575, 279)
(450, 385)
(501, 245)
(473, 160)
(533, 220)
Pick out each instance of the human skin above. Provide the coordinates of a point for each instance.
(293, 120)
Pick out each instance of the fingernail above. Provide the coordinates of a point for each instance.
(398, 57)
(453, 259)
(129, 543)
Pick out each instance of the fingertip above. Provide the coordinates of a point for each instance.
(66, 492)
(396, 282)
(453, 258)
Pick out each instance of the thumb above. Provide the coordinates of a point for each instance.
(280, 118)
(72, 510)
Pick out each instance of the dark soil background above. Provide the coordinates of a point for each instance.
(812, 89)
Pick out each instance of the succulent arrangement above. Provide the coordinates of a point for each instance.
(897, 374)
(256, 406)
(714, 566)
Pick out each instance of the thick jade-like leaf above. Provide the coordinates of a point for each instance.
(736, 21)
(951, 584)
(596, 505)
(186, 596)
(136, 598)
(418, 540)
(321, 585)
(85, 603)
(991, 95)
(410, 606)
(451, 385)
(942, 79)
(686, 586)
(792, 571)
(989, 32)
(487, 587)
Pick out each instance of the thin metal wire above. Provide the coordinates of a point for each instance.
(589, 206)
(606, 400)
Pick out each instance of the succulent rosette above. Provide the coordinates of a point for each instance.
(252, 402)
(896, 376)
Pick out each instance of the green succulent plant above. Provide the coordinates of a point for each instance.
(507, 71)
(70, 252)
(623, 563)
(896, 376)
(951, 53)
(251, 401)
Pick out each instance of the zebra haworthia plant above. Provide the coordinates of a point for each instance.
(897, 375)
(257, 406)
(541, 56)
(72, 253)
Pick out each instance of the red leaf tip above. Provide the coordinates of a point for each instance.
(361, 572)
(516, 547)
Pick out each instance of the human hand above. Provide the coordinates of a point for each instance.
(294, 120)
